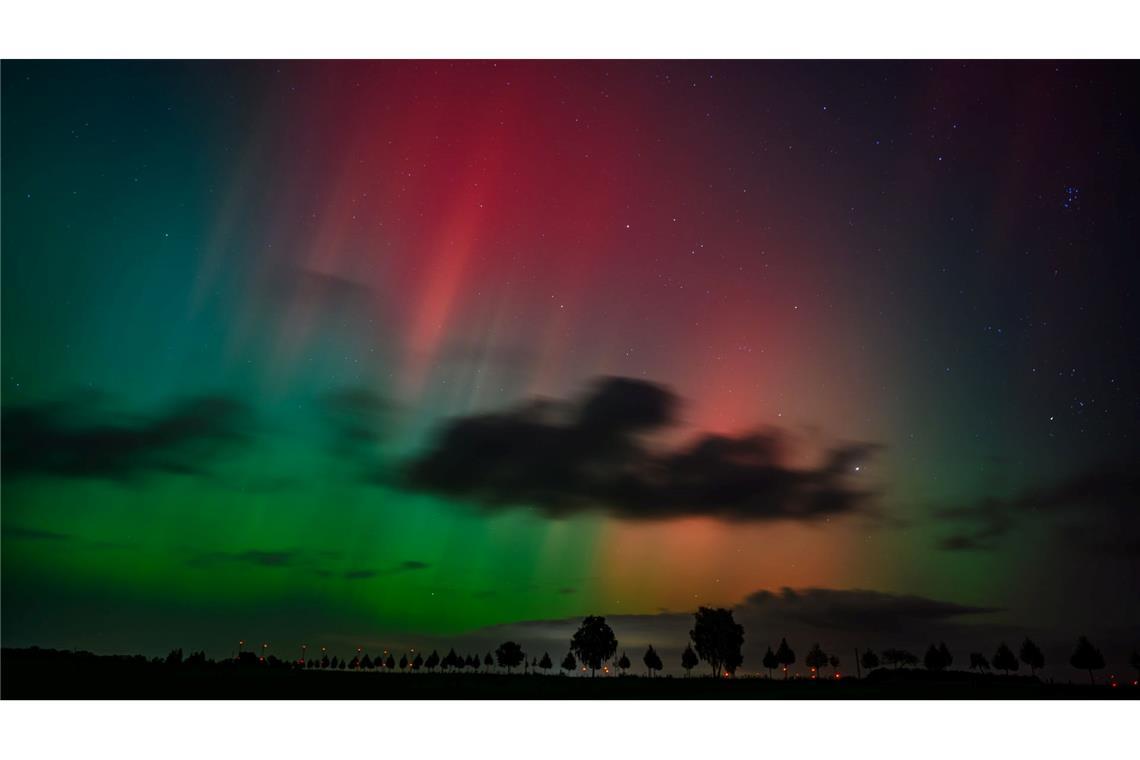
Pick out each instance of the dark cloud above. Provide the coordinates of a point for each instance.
(592, 454)
(64, 440)
(403, 567)
(320, 293)
(33, 534)
(286, 558)
(856, 610)
(1094, 509)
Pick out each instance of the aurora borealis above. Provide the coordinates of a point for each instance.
(274, 332)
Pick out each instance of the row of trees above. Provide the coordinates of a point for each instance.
(715, 639)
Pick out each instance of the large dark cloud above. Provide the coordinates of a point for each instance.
(77, 440)
(593, 454)
(1094, 509)
(860, 610)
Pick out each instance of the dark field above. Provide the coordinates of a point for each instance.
(42, 674)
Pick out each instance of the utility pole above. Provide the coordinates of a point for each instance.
(858, 670)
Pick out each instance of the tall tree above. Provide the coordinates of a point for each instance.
(933, 659)
(1004, 659)
(944, 653)
(546, 663)
(623, 663)
(569, 663)
(652, 661)
(718, 639)
(432, 660)
(487, 661)
(979, 662)
(816, 659)
(417, 661)
(390, 663)
(1087, 657)
(833, 661)
(869, 660)
(366, 663)
(594, 643)
(404, 662)
(509, 655)
(689, 660)
(1032, 655)
(770, 661)
(786, 656)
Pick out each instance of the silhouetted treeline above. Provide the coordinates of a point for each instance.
(716, 639)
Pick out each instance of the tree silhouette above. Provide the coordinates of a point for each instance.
(335, 663)
(979, 662)
(366, 663)
(770, 661)
(355, 664)
(342, 665)
(390, 663)
(944, 653)
(509, 655)
(325, 662)
(418, 662)
(1087, 657)
(816, 659)
(934, 659)
(432, 660)
(652, 661)
(623, 663)
(689, 659)
(404, 662)
(1032, 655)
(450, 660)
(546, 663)
(833, 661)
(487, 661)
(568, 662)
(899, 657)
(718, 639)
(174, 659)
(1004, 659)
(785, 656)
(593, 643)
(869, 660)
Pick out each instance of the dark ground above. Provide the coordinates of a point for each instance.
(47, 674)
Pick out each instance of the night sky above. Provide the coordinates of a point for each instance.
(389, 353)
